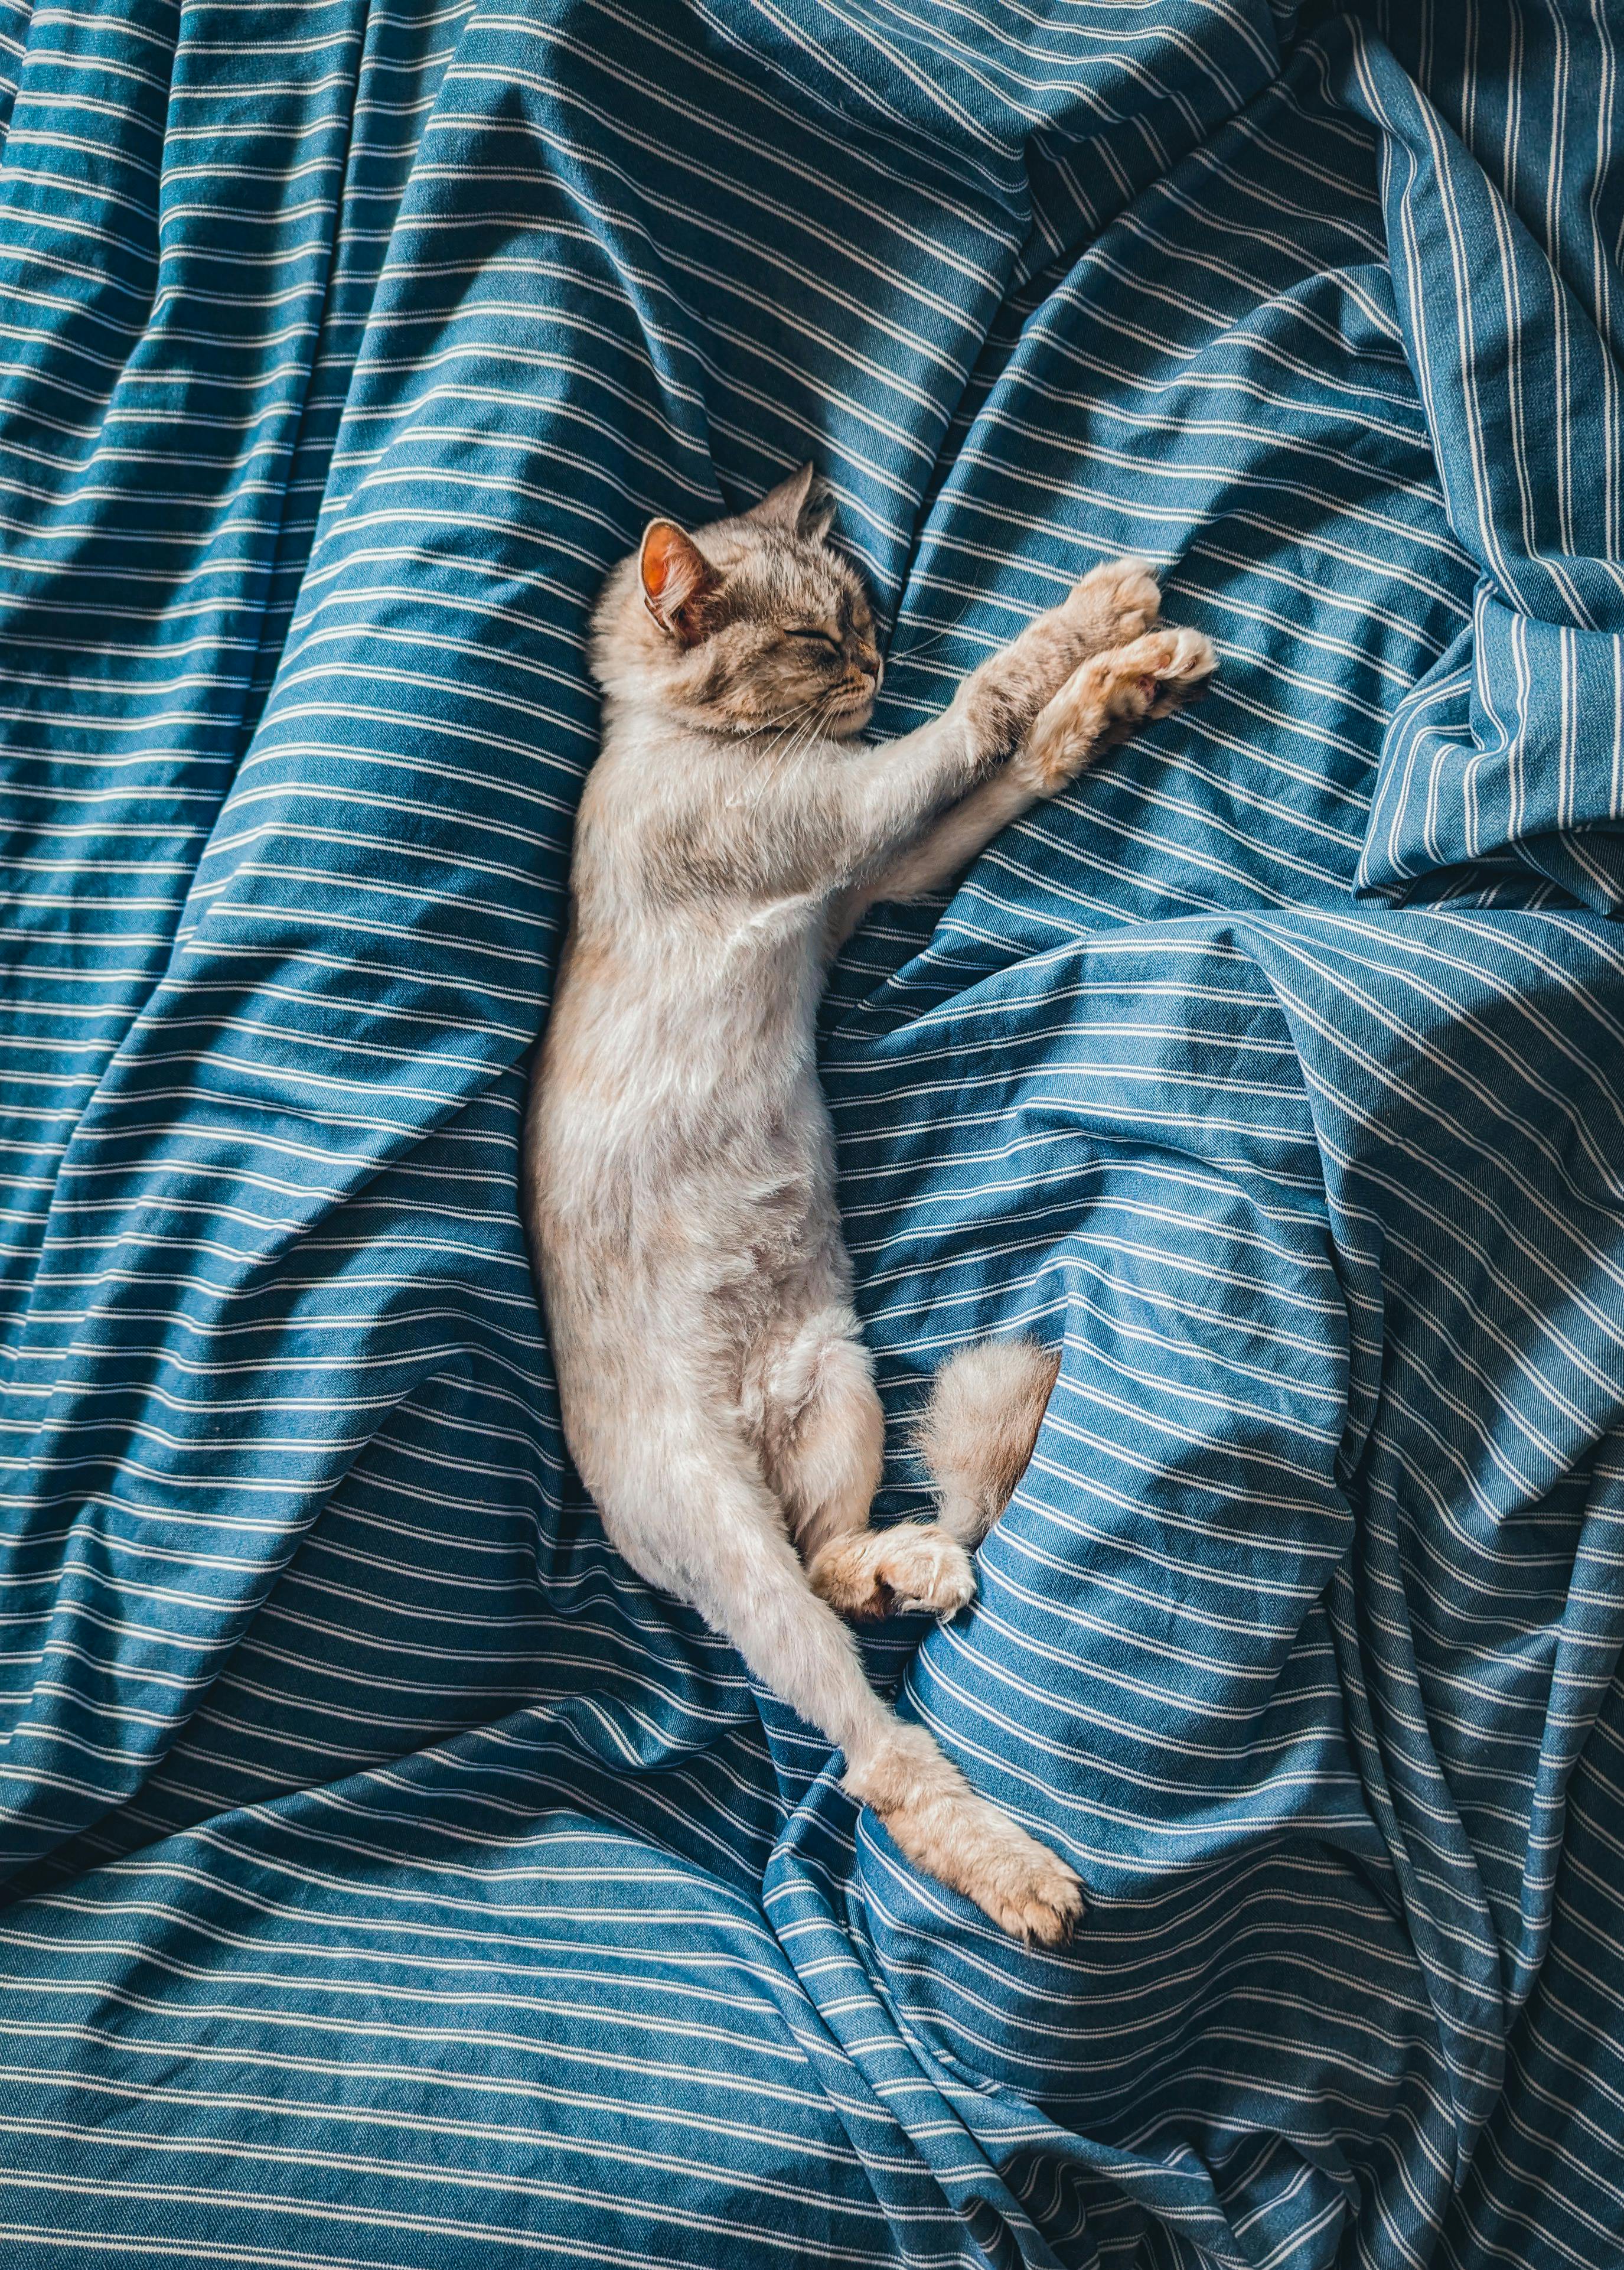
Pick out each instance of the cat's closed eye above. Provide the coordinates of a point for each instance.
(820, 638)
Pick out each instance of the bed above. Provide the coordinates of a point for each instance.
(391, 1880)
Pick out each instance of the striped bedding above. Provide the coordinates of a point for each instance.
(393, 1881)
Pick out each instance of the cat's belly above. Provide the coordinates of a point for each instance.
(701, 1236)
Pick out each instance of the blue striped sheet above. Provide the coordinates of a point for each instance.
(393, 1881)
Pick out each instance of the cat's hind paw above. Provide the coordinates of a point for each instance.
(913, 1569)
(1028, 1891)
(955, 1835)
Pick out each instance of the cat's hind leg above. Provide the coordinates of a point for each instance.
(688, 1506)
(822, 1435)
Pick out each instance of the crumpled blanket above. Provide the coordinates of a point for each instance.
(391, 1879)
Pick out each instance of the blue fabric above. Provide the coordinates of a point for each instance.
(391, 1879)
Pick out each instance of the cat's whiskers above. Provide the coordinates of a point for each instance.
(923, 646)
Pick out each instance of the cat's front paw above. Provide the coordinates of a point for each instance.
(1106, 697)
(1175, 666)
(1115, 602)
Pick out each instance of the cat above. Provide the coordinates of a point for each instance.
(715, 1393)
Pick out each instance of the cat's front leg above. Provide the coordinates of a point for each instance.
(874, 807)
(1104, 699)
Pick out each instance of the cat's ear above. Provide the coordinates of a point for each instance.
(803, 504)
(677, 579)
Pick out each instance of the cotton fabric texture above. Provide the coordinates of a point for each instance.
(392, 1879)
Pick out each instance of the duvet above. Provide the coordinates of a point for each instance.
(390, 1878)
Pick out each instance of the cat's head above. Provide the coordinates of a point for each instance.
(751, 624)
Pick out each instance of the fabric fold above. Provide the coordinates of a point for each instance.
(393, 1882)
(1510, 754)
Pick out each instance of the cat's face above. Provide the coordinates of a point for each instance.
(752, 625)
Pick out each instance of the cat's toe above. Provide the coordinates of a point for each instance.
(925, 1571)
(1044, 1903)
(1153, 675)
(1182, 674)
(1124, 598)
(1027, 1890)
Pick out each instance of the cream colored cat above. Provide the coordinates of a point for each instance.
(716, 1396)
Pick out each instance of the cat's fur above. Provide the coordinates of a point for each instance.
(716, 1396)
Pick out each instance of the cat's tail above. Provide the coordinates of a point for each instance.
(980, 1427)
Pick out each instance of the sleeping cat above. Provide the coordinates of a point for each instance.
(716, 1396)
